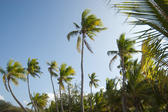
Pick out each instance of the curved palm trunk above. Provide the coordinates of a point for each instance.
(16, 98)
(91, 99)
(124, 108)
(82, 76)
(30, 96)
(62, 109)
(54, 93)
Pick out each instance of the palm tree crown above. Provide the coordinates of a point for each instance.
(93, 80)
(14, 71)
(65, 74)
(40, 100)
(90, 25)
(125, 49)
(33, 67)
(53, 68)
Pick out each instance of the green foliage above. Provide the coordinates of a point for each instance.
(65, 75)
(90, 25)
(93, 80)
(53, 68)
(40, 100)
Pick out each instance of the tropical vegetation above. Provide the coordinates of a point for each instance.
(142, 87)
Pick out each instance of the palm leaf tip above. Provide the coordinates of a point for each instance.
(72, 33)
(85, 13)
(88, 46)
(111, 61)
(76, 25)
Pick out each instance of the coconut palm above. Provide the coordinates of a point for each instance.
(137, 86)
(90, 25)
(65, 76)
(33, 69)
(53, 68)
(40, 101)
(112, 95)
(153, 13)
(125, 49)
(93, 82)
(14, 71)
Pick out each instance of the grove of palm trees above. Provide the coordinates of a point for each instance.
(141, 60)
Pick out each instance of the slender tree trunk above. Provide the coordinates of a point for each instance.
(82, 75)
(124, 108)
(91, 99)
(54, 93)
(69, 94)
(30, 96)
(62, 109)
(16, 98)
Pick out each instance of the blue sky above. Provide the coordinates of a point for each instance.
(38, 29)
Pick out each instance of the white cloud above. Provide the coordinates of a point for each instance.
(1, 97)
(51, 97)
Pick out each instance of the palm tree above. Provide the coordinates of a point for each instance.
(65, 76)
(40, 101)
(112, 95)
(93, 82)
(14, 71)
(90, 25)
(33, 69)
(136, 86)
(125, 49)
(153, 13)
(53, 68)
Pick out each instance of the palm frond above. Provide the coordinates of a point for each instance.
(72, 33)
(84, 15)
(111, 52)
(88, 46)
(76, 25)
(14, 81)
(2, 71)
(111, 61)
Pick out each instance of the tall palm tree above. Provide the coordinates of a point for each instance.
(14, 71)
(90, 25)
(40, 101)
(93, 82)
(53, 68)
(153, 13)
(33, 69)
(65, 76)
(125, 49)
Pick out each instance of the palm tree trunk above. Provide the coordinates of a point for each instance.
(123, 85)
(54, 94)
(30, 96)
(91, 99)
(15, 97)
(69, 94)
(82, 75)
(62, 109)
